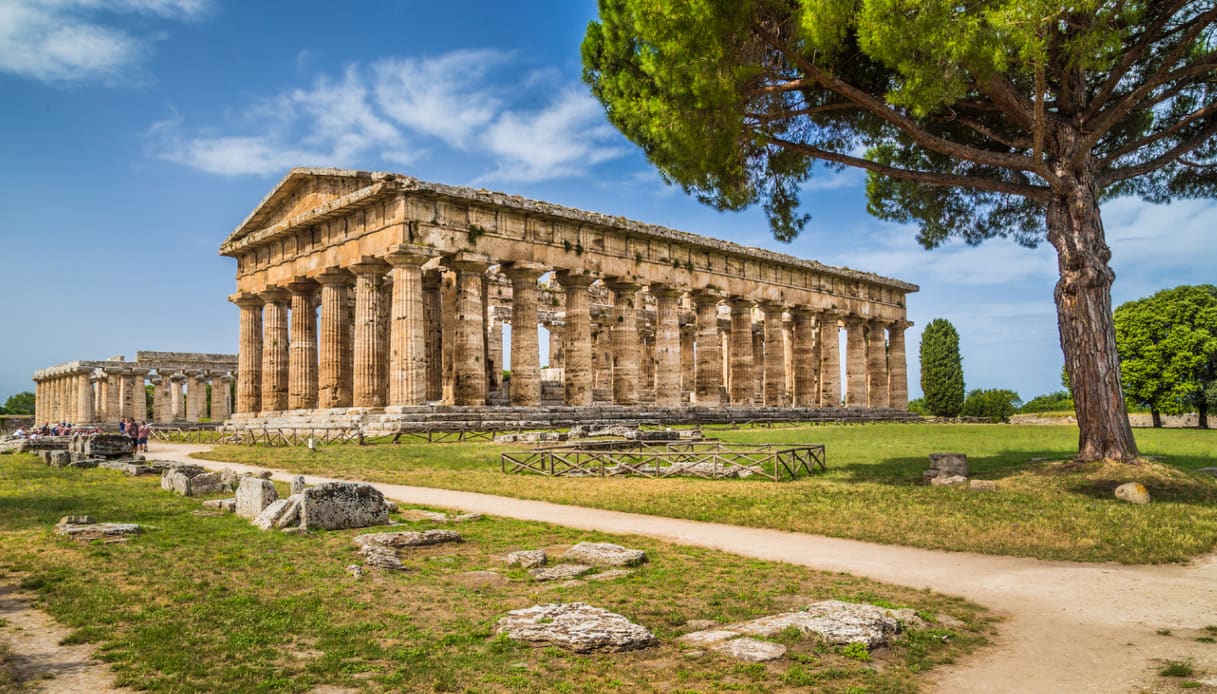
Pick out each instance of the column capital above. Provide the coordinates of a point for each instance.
(576, 278)
(369, 265)
(410, 254)
(303, 286)
(228, 377)
(524, 270)
(178, 377)
(900, 324)
(275, 295)
(137, 371)
(335, 276)
(665, 290)
(620, 285)
(772, 307)
(112, 370)
(464, 261)
(802, 311)
(740, 302)
(706, 296)
(246, 300)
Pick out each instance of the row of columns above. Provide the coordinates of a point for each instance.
(86, 395)
(392, 335)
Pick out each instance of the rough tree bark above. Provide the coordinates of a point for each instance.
(1083, 303)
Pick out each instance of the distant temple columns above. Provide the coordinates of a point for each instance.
(577, 339)
(876, 364)
(525, 350)
(898, 383)
(333, 390)
(302, 347)
(708, 349)
(667, 345)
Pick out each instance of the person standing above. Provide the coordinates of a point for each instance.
(144, 432)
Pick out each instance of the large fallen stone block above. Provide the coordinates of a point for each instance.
(58, 458)
(604, 554)
(191, 480)
(836, 622)
(254, 495)
(407, 538)
(575, 626)
(946, 465)
(104, 445)
(84, 528)
(560, 572)
(337, 505)
(271, 515)
(750, 650)
(381, 557)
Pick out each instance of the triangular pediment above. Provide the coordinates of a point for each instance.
(300, 191)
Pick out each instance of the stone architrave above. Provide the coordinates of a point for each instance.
(371, 354)
(433, 335)
(830, 360)
(469, 337)
(667, 345)
(775, 355)
(275, 346)
(625, 342)
(876, 365)
(709, 374)
(332, 389)
(407, 327)
(525, 350)
(740, 358)
(249, 359)
(577, 338)
(302, 346)
(805, 358)
(898, 378)
(855, 362)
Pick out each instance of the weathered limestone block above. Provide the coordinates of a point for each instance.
(604, 554)
(834, 621)
(560, 572)
(253, 496)
(291, 513)
(13, 446)
(946, 464)
(298, 485)
(132, 469)
(949, 481)
(206, 483)
(381, 557)
(336, 505)
(173, 476)
(750, 650)
(273, 515)
(105, 445)
(982, 485)
(575, 626)
(610, 575)
(191, 480)
(528, 558)
(58, 458)
(407, 538)
(1133, 493)
(85, 528)
(225, 505)
(85, 463)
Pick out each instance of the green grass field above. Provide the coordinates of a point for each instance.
(204, 602)
(871, 490)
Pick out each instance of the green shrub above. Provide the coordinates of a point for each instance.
(994, 404)
(941, 369)
(1060, 401)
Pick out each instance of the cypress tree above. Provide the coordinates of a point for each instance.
(941, 369)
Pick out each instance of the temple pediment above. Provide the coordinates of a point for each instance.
(302, 193)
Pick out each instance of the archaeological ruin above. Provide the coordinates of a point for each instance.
(415, 283)
(89, 392)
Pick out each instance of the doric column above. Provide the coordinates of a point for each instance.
(219, 397)
(525, 350)
(332, 389)
(162, 408)
(758, 363)
(898, 377)
(448, 334)
(275, 350)
(492, 342)
(407, 326)
(876, 364)
(177, 404)
(625, 342)
(688, 362)
(98, 382)
(469, 337)
(742, 384)
(709, 355)
(788, 358)
(602, 362)
(371, 352)
(805, 358)
(667, 345)
(249, 355)
(302, 346)
(432, 319)
(126, 399)
(775, 355)
(556, 360)
(577, 338)
(855, 362)
(830, 360)
(195, 380)
(84, 396)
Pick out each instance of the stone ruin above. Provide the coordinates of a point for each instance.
(951, 470)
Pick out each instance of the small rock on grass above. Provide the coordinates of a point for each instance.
(604, 554)
(560, 572)
(527, 558)
(949, 481)
(750, 650)
(1133, 493)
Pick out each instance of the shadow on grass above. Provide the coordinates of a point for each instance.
(906, 471)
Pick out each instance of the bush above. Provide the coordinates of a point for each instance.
(918, 407)
(995, 404)
(1060, 401)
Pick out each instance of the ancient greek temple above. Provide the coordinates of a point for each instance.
(379, 293)
(104, 391)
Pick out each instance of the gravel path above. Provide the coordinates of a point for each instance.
(1070, 627)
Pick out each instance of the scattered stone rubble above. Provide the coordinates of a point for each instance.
(575, 626)
(379, 550)
(604, 554)
(951, 470)
(527, 558)
(189, 479)
(86, 528)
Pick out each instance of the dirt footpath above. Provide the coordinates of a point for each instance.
(1070, 627)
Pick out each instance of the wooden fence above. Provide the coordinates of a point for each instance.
(706, 459)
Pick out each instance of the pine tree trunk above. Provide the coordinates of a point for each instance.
(1156, 416)
(1083, 303)
(1202, 410)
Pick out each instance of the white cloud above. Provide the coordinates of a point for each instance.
(68, 41)
(369, 113)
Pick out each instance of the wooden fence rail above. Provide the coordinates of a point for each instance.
(708, 460)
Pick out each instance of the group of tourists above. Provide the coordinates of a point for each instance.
(137, 431)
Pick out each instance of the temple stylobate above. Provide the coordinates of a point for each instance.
(379, 293)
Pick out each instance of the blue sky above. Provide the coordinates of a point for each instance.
(136, 134)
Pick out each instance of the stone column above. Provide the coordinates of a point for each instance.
(407, 327)
(193, 383)
(830, 360)
(758, 363)
(577, 338)
(249, 354)
(275, 350)
(625, 342)
(667, 345)
(876, 364)
(709, 356)
(525, 350)
(177, 405)
(492, 342)
(556, 361)
(775, 355)
(448, 334)
(99, 401)
(219, 397)
(162, 407)
(113, 377)
(805, 358)
(332, 389)
(126, 403)
(371, 351)
(742, 384)
(84, 396)
(688, 363)
(898, 377)
(855, 362)
(469, 335)
(302, 346)
(432, 335)
(788, 359)
(602, 362)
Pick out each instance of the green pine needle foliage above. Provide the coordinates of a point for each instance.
(941, 369)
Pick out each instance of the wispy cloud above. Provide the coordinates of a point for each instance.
(73, 41)
(526, 125)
